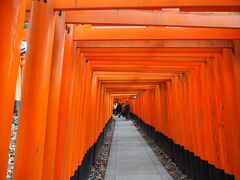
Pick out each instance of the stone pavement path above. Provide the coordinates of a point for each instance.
(130, 157)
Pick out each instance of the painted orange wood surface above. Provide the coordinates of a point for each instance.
(154, 33)
(185, 79)
(53, 100)
(36, 78)
(64, 106)
(10, 39)
(214, 5)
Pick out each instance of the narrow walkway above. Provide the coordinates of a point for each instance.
(131, 158)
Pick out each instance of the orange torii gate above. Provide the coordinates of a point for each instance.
(186, 5)
(154, 33)
(151, 18)
(186, 79)
(102, 56)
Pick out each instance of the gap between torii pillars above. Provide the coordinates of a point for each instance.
(36, 77)
(12, 13)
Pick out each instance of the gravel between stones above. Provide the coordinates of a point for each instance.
(99, 169)
(168, 164)
(12, 148)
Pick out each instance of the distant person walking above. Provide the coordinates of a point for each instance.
(115, 108)
(119, 109)
(127, 109)
(123, 110)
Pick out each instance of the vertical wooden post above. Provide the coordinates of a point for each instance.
(81, 127)
(193, 104)
(205, 123)
(236, 69)
(78, 98)
(158, 108)
(185, 110)
(230, 116)
(63, 121)
(189, 112)
(196, 111)
(169, 108)
(33, 114)
(12, 14)
(71, 131)
(54, 99)
(86, 106)
(215, 86)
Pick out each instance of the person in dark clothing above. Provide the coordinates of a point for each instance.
(123, 110)
(127, 110)
(119, 109)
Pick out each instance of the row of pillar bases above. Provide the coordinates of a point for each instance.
(192, 165)
(89, 160)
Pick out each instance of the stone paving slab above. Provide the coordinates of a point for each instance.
(130, 156)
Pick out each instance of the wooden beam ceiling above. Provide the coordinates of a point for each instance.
(147, 54)
(150, 50)
(155, 43)
(188, 5)
(152, 18)
(83, 33)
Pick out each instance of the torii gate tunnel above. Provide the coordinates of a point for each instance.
(180, 59)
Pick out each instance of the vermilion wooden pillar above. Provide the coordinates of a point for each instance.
(78, 99)
(64, 104)
(71, 130)
(86, 106)
(226, 164)
(236, 69)
(183, 115)
(230, 115)
(188, 113)
(12, 14)
(192, 88)
(79, 150)
(178, 115)
(54, 99)
(158, 108)
(92, 110)
(169, 107)
(99, 107)
(196, 111)
(215, 100)
(201, 116)
(33, 114)
(186, 119)
(204, 118)
(97, 110)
